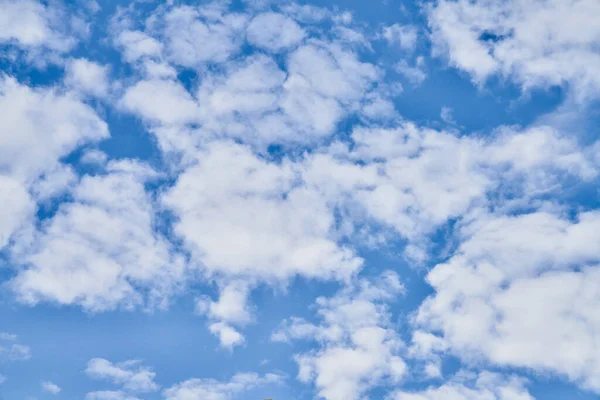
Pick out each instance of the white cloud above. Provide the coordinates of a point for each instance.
(404, 36)
(137, 44)
(274, 31)
(209, 389)
(241, 201)
(469, 386)
(244, 200)
(8, 336)
(98, 250)
(2, 379)
(94, 157)
(196, 35)
(39, 127)
(163, 101)
(518, 286)
(532, 42)
(31, 24)
(231, 308)
(357, 345)
(16, 352)
(109, 395)
(130, 374)
(414, 179)
(414, 74)
(50, 387)
(87, 77)
(228, 336)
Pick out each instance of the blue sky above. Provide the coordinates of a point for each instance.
(299, 200)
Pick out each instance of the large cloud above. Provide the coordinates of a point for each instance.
(532, 42)
(520, 285)
(39, 127)
(98, 250)
(471, 386)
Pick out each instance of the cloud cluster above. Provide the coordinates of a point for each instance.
(518, 285)
(357, 347)
(532, 42)
(284, 156)
(471, 386)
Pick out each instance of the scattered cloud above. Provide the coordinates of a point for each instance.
(211, 389)
(130, 374)
(356, 345)
(50, 387)
(531, 42)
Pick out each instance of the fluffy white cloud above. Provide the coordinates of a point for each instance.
(39, 127)
(210, 389)
(197, 35)
(161, 101)
(130, 374)
(469, 386)
(414, 179)
(231, 308)
(32, 24)
(279, 230)
(87, 77)
(357, 345)
(518, 286)
(532, 42)
(249, 97)
(101, 250)
(137, 44)
(50, 387)
(274, 31)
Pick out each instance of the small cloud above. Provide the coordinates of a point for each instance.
(404, 36)
(8, 336)
(16, 352)
(51, 387)
(446, 115)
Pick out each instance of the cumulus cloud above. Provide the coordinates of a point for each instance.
(196, 35)
(210, 389)
(101, 250)
(109, 395)
(31, 24)
(532, 42)
(50, 387)
(244, 201)
(471, 386)
(130, 374)
(274, 31)
(39, 127)
(517, 286)
(87, 77)
(250, 97)
(357, 347)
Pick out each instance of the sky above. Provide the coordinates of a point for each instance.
(249, 199)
